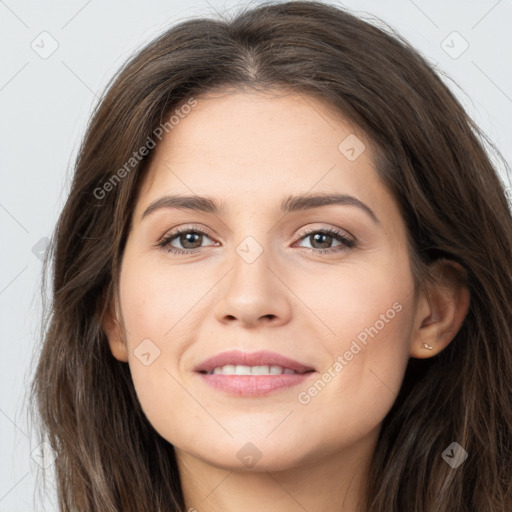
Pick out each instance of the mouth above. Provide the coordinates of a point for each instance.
(252, 373)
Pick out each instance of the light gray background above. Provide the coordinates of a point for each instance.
(46, 102)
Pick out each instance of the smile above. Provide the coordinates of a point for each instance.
(251, 374)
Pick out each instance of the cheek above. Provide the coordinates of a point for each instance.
(371, 318)
(368, 304)
(156, 299)
(155, 307)
(360, 384)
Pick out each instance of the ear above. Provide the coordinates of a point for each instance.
(441, 311)
(112, 328)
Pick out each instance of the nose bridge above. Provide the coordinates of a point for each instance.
(250, 263)
(252, 239)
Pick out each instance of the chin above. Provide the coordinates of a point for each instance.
(249, 456)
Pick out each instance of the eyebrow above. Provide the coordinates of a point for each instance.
(292, 203)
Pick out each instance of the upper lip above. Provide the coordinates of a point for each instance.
(260, 358)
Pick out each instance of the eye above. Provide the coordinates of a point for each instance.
(189, 238)
(323, 238)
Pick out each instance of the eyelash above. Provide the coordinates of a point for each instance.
(347, 242)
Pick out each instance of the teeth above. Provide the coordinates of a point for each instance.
(231, 369)
(277, 370)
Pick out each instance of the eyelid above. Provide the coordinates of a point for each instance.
(183, 229)
(327, 229)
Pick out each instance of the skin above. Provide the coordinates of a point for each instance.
(250, 151)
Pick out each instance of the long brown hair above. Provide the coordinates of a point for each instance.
(432, 158)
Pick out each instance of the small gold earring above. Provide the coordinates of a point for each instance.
(426, 346)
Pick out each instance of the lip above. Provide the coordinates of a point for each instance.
(252, 385)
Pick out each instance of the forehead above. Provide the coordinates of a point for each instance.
(255, 148)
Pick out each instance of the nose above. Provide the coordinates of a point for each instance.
(254, 293)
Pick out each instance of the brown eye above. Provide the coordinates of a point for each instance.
(321, 240)
(189, 239)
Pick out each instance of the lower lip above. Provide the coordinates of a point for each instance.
(254, 385)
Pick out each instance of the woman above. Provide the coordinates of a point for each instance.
(282, 281)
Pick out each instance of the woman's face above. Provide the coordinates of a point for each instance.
(327, 286)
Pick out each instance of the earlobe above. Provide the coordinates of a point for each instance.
(114, 332)
(441, 312)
